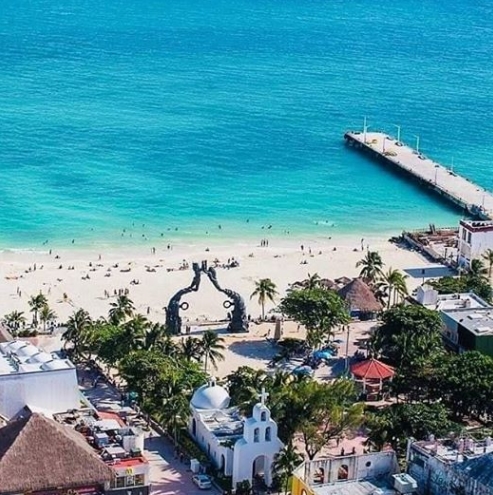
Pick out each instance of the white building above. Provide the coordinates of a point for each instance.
(451, 466)
(243, 448)
(428, 297)
(475, 237)
(34, 378)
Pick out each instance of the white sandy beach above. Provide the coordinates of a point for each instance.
(281, 261)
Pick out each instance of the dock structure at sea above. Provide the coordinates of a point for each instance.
(392, 152)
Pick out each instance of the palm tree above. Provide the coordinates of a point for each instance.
(134, 333)
(286, 462)
(212, 346)
(78, 324)
(121, 309)
(393, 284)
(156, 336)
(265, 289)
(372, 265)
(46, 314)
(477, 270)
(14, 320)
(36, 303)
(488, 257)
(191, 349)
(312, 282)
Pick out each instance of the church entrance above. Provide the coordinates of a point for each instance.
(259, 474)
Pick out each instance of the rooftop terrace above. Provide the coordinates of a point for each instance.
(451, 451)
(227, 423)
(18, 356)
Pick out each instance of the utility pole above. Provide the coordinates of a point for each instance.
(347, 348)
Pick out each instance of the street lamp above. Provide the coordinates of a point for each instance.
(417, 143)
(365, 128)
(398, 132)
(383, 147)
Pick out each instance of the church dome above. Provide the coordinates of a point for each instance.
(210, 396)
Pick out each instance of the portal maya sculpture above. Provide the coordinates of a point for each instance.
(238, 321)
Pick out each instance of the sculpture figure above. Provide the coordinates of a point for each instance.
(173, 319)
(239, 320)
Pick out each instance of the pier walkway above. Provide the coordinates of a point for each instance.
(477, 201)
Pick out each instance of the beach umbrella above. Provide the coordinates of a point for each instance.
(303, 371)
(325, 354)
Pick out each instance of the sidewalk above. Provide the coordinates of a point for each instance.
(168, 475)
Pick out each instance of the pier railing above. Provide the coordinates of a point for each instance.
(458, 190)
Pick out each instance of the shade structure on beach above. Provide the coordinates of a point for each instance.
(360, 297)
(372, 369)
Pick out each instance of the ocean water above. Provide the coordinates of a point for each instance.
(121, 120)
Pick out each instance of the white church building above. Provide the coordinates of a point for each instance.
(242, 448)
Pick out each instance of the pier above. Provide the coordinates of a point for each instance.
(390, 151)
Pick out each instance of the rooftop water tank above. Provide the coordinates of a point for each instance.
(404, 483)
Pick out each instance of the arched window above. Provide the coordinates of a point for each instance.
(256, 434)
(194, 427)
(267, 434)
(343, 472)
(263, 416)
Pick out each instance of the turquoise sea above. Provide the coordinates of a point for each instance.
(156, 115)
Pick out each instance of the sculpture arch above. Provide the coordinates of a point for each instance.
(238, 320)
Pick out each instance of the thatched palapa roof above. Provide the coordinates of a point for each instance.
(360, 297)
(37, 453)
(5, 335)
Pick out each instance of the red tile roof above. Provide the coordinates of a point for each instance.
(372, 369)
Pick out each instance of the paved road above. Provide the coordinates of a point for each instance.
(168, 475)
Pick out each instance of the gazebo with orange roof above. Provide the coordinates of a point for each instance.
(371, 374)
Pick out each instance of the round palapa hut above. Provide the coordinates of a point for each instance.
(360, 298)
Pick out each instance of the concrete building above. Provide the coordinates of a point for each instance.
(368, 474)
(449, 467)
(34, 378)
(116, 443)
(469, 329)
(243, 448)
(475, 237)
(428, 297)
(467, 319)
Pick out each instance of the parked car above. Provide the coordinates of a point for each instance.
(202, 481)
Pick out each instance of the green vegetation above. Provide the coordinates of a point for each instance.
(320, 310)
(408, 335)
(475, 280)
(317, 411)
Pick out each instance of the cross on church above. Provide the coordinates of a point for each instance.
(263, 396)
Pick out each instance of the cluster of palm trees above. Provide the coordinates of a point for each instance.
(125, 331)
(390, 285)
(42, 313)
